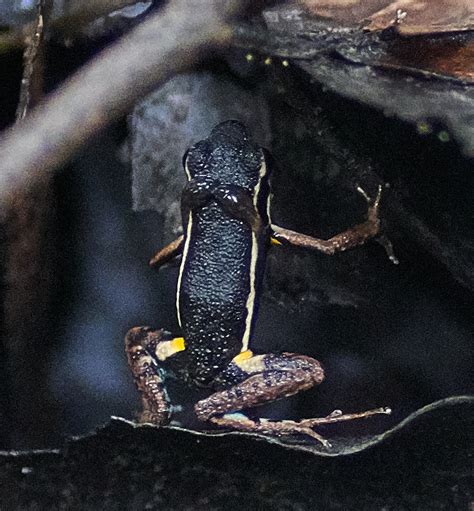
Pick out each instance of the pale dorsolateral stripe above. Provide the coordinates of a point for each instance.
(253, 265)
(185, 251)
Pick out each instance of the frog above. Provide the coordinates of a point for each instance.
(227, 233)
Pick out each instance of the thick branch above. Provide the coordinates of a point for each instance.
(107, 87)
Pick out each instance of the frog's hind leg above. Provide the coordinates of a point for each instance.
(254, 380)
(146, 350)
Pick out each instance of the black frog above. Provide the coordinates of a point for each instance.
(227, 232)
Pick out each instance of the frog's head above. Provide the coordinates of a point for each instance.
(227, 156)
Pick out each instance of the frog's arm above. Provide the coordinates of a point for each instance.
(168, 253)
(350, 238)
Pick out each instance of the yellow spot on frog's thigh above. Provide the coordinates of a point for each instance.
(243, 355)
(249, 363)
(267, 61)
(166, 349)
(178, 344)
(249, 57)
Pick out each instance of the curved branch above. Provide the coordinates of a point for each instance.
(106, 88)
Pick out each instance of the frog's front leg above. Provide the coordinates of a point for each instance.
(168, 253)
(147, 350)
(252, 380)
(350, 238)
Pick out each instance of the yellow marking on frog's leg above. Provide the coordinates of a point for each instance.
(276, 242)
(166, 349)
(270, 377)
(243, 355)
(250, 363)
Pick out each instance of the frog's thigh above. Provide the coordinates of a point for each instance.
(146, 350)
(251, 380)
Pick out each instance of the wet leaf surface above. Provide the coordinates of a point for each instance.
(423, 463)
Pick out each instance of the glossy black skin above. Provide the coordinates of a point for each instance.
(226, 237)
(216, 269)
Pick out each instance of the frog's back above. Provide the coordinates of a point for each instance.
(223, 259)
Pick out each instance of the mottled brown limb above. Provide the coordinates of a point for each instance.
(140, 342)
(267, 378)
(265, 427)
(270, 377)
(167, 253)
(350, 238)
(285, 428)
(338, 416)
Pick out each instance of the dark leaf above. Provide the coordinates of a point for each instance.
(420, 464)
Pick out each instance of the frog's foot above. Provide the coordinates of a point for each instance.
(146, 350)
(287, 427)
(240, 422)
(346, 240)
(373, 220)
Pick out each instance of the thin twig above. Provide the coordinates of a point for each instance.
(31, 82)
(105, 89)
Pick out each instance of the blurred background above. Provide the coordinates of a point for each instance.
(398, 336)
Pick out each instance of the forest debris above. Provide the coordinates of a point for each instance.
(168, 42)
(409, 17)
(434, 86)
(415, 17)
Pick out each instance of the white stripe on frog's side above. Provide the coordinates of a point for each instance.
(187, 240)
(250, 305)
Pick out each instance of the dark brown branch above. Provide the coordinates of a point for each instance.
(28, 226)
(106, 88)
